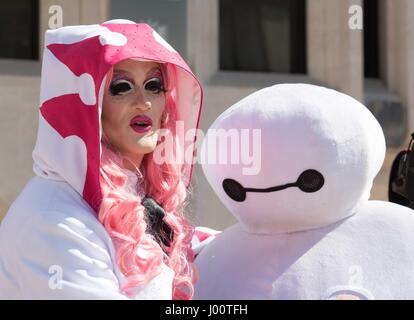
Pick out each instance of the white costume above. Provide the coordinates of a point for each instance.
(52, 245)
(306, 228)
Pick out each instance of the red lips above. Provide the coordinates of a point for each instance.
(141, 124)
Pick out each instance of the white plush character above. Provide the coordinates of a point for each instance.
(306, 229)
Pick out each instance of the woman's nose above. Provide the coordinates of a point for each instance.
(141, 102)
(143, 106)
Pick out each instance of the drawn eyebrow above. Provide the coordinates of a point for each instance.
(121, 71)
(126, 71)
(154, 71)
(149, 71)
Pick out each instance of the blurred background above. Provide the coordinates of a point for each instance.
(235, 47)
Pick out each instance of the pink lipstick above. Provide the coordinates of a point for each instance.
(141, 124)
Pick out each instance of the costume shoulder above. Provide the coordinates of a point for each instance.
(54, 248)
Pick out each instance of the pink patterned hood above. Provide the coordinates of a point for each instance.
(76, 60)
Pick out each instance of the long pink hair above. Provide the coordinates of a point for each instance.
(138, 255)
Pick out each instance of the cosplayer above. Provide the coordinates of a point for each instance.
(306, 229)
(102, 218)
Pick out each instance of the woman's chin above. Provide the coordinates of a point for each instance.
(144, 147)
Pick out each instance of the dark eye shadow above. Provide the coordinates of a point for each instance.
(121, 87)
(122, 76)
(154, 85)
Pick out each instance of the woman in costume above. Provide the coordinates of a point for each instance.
(103, 216)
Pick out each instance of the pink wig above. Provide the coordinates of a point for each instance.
(139, 256)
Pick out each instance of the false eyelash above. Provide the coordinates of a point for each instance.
(159, 89)
(114, 84)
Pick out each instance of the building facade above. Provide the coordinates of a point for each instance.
(235, 48)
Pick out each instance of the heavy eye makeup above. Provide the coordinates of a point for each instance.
(121, 86)
(154, 85)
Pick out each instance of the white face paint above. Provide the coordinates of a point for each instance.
(135, 95)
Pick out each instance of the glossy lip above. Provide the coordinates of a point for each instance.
(143, 119)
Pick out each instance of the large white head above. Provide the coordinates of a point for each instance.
(318, 154)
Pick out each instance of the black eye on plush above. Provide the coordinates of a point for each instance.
(309, 181)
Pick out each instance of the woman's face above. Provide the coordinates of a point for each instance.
(133, 107)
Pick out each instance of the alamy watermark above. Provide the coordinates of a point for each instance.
(356, 19)
(235, 146)
(56, 18)
(56, 277)
(354, 290)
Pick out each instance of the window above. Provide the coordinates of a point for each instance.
(19, 29)
(263, 35)
(371, 43)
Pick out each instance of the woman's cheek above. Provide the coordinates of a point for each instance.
(160, 112)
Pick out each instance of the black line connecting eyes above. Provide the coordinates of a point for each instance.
(308, 181)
